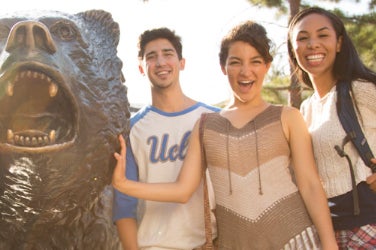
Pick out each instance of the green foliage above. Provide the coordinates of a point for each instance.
(275, 89)
(372, 4)
(366, 43)
(362, 31)
(267, 3)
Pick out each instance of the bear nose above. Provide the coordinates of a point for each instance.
(30, 35)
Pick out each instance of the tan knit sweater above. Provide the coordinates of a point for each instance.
(242, 162)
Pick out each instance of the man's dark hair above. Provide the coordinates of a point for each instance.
(153, 34)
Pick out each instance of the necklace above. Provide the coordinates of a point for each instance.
(228, 157)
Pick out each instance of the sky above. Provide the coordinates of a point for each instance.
(201, 25)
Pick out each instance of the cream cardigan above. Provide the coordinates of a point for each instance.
(326, 131)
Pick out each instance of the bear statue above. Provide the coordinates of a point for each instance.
(63, 104)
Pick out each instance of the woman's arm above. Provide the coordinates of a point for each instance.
(179, 191)
(371, 180)
(127, 231)
(307, 176)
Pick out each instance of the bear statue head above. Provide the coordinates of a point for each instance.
(63, 103)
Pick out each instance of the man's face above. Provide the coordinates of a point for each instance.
(161, 63)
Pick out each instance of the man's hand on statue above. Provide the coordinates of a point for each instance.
(119, 177)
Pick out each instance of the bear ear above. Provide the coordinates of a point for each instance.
(100, 26)
(102, 34)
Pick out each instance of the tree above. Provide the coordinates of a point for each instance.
(360, 28)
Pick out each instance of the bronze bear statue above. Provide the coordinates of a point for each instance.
(63, 103)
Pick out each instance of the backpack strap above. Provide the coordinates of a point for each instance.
(350, 123)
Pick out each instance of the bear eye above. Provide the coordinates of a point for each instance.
(65, 30)
(4, 31)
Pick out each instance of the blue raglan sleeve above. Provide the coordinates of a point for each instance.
(125, 206)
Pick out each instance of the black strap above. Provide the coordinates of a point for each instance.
(350, 123)
(354, 191)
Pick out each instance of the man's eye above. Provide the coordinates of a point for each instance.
(169, 54)
(4, 31)
(150, 57)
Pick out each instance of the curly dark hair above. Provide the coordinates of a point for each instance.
(249, 32)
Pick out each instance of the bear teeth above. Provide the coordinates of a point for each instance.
(52, 88)
(31, 138)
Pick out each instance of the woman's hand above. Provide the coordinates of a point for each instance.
(118, 177)
(371, 180)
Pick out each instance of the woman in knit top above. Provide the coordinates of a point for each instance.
(324, 57)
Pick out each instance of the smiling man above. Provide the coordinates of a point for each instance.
(156, 149)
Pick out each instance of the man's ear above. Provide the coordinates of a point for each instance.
(141, 69)
(223, 68)
(182, 64)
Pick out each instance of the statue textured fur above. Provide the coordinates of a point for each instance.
(62, 105)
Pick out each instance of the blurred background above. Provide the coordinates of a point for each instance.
(202, 24)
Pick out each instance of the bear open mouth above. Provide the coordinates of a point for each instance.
(36, 111)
